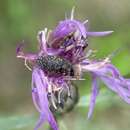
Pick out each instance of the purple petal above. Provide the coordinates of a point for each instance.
(54, 51)
(35, 99)
(116, 85)
(40, 122)
(109, 83)
(112, 78)
(115, 72)
(94, 94)
(96, 34)
(19, 48)
(110, 75)
(67, 26)
(22, 55)
(42, 41)
(40, 83)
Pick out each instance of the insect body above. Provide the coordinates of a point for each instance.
(62, 42)
(65, 98)
(67, 103)
(55, 66)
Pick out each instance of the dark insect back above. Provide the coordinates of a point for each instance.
(67, 102)
(55, 66)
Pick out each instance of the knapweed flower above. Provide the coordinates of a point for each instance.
(51, 85)
(62, 58)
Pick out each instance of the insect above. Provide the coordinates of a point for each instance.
(60, 42)
(57, 66)
(64, 103)
(67, 42)
(61, 99)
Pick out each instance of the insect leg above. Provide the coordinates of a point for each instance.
(50, 93)
(25, 63)
(59, 95)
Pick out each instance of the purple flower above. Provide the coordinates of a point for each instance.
(51, 76)
(53, 68)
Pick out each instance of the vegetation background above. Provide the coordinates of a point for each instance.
(21, 20)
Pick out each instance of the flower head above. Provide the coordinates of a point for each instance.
(62, 58)
(51, 85)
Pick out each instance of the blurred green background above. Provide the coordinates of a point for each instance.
(21, 20)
